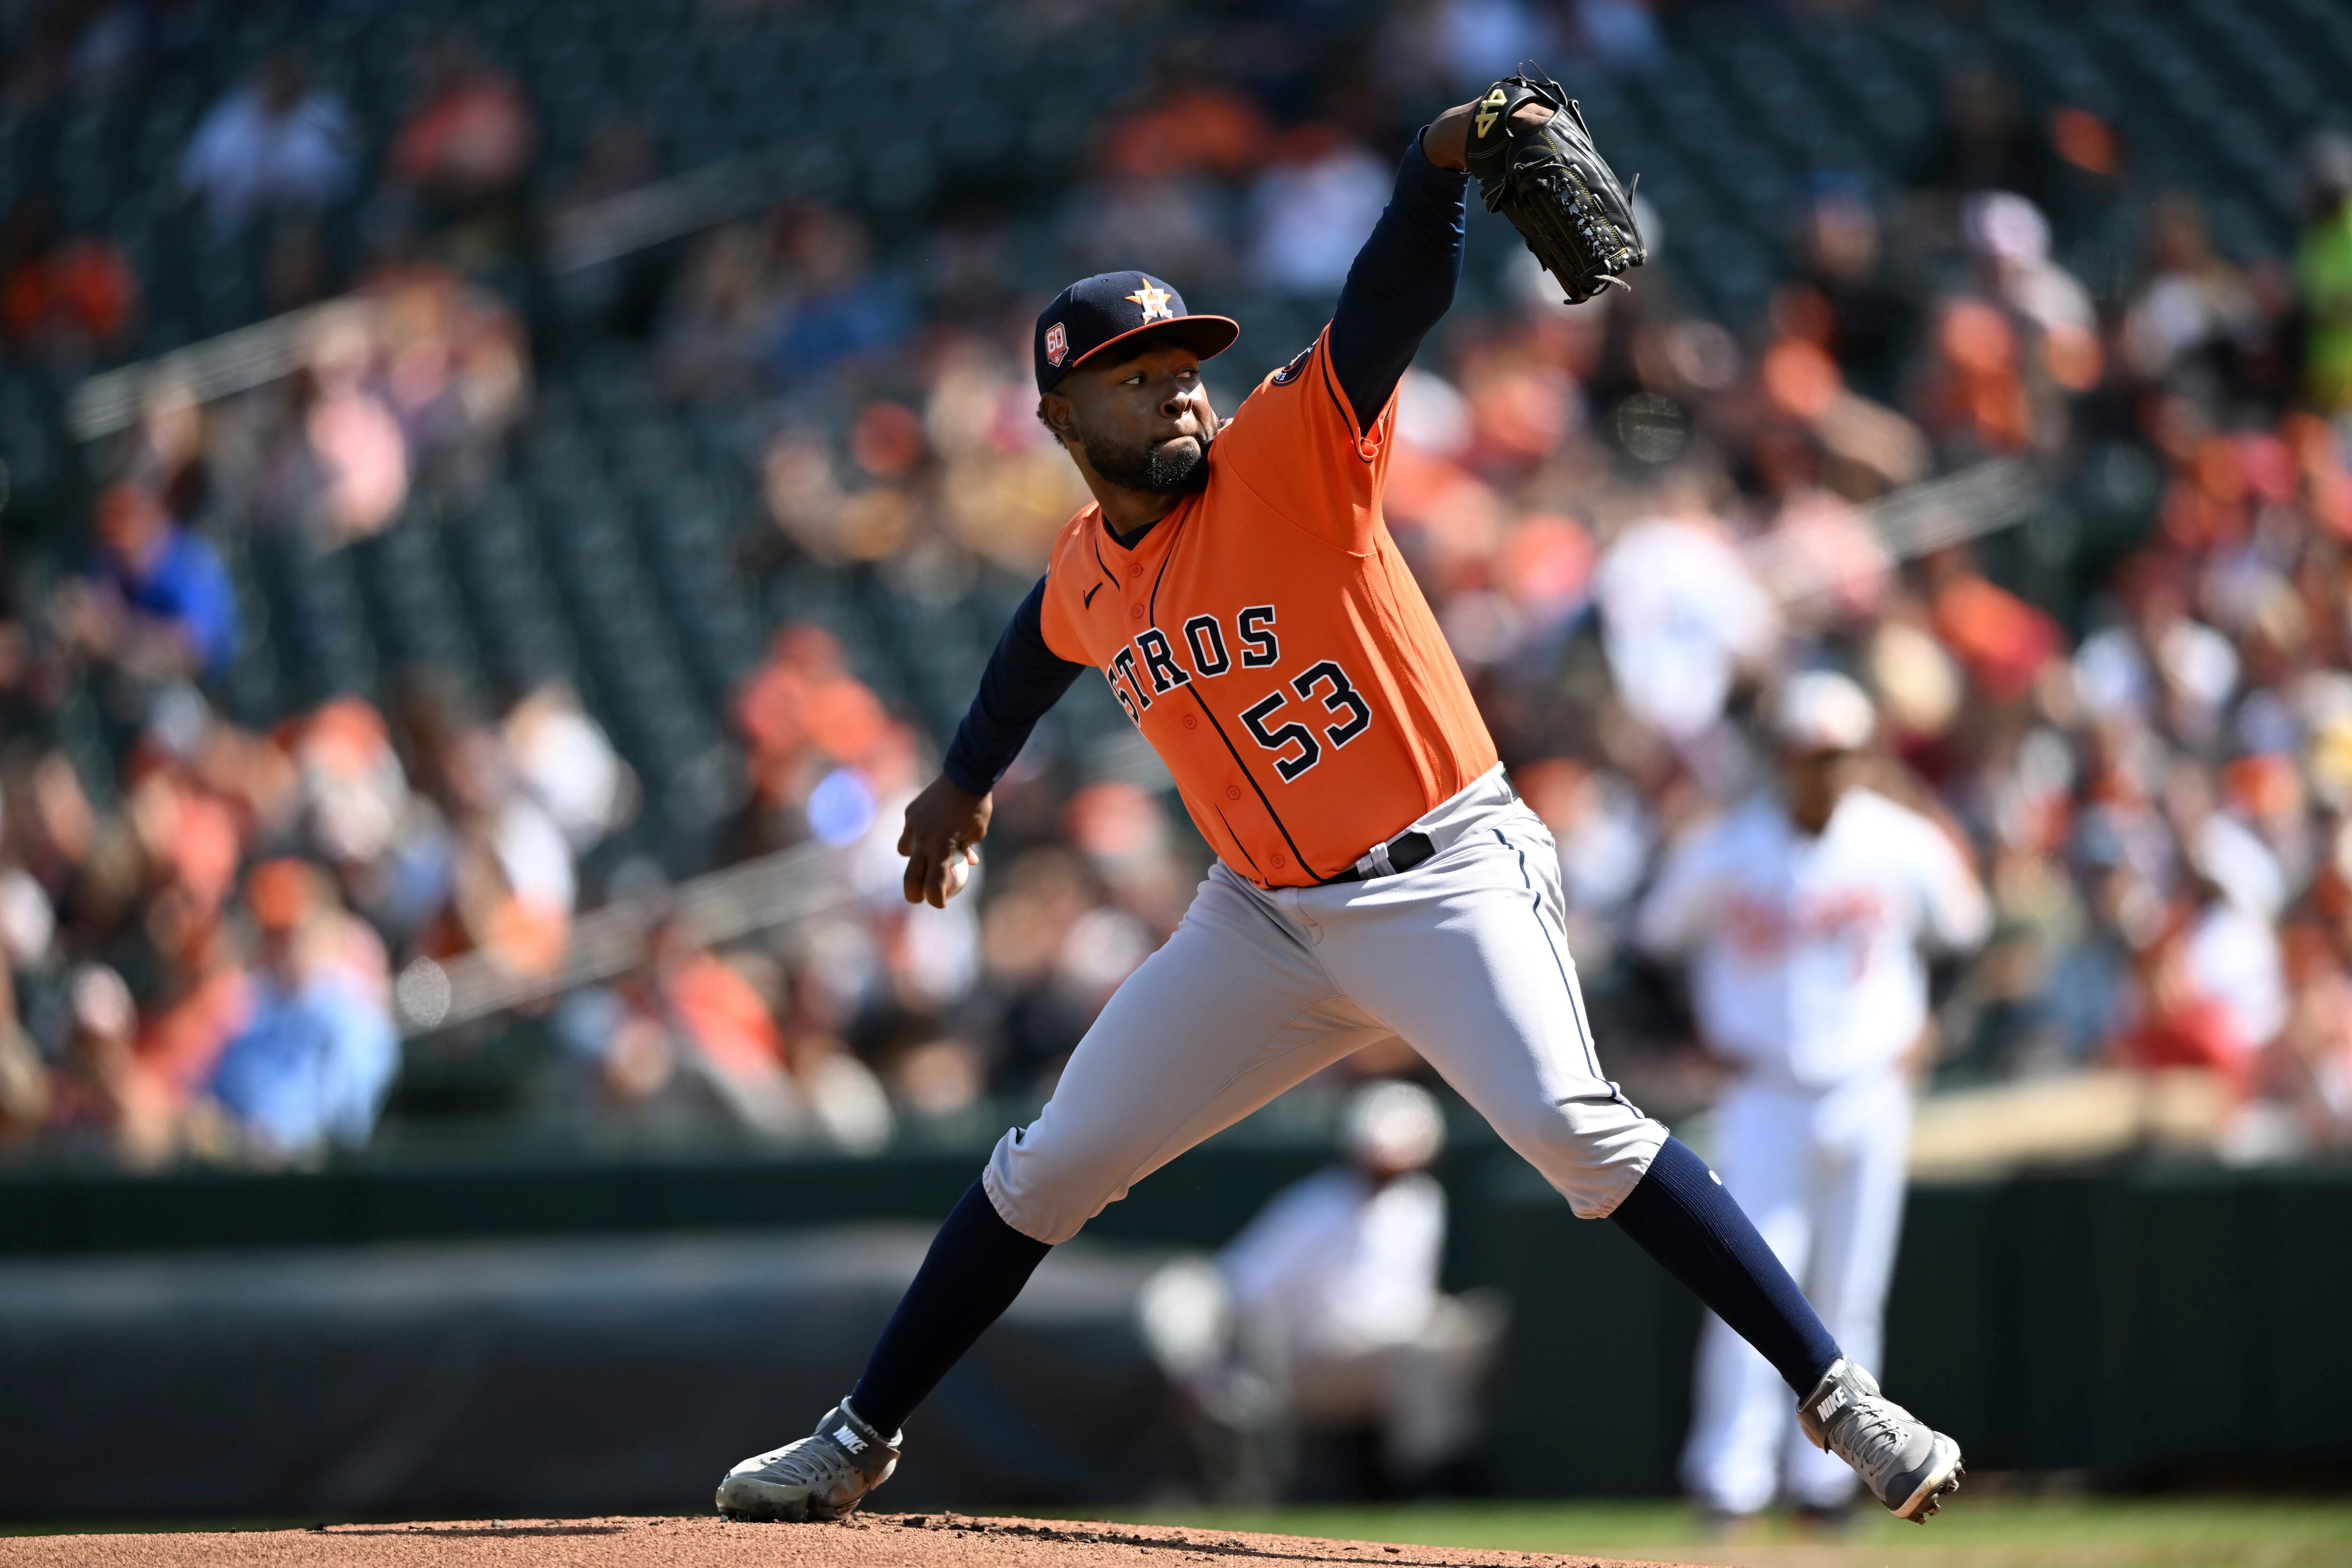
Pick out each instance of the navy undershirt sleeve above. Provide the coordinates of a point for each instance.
(1024, 678)
(1401, 283)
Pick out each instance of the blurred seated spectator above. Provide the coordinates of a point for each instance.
(1682, 618)
(1310, 210)
(1469, 43)
(1036, 899)
(2003, 642)
(157, 603)
(1186, 124)
(2305, 1079)
(1606, 835)
(203, 1001)
(1970, 393)
(2212, 983)
(316, 1054)
(1983, 143)
(2021, 344)
(2009, 237)
(64, 298)
(2193, 306)
(719, 1029)
(100, 1094)
(2174, 1022)
(1181, 221)
(24, 1076)
(564, 760)
(843, 306)
(846, 1101)
(1124, 831)
(342, 466)
(720, 310)
(937, 1078)
(1346, 1265)
(512, 884)
(28, 923)
(1870, 325)
(2323, 263)
(464, 149)
(513, 881)
(691, 1042)
(802, 714)
(275, 143)
(389, 846)
(1623, 34)
(405, 392)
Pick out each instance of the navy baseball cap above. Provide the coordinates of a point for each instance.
(1110, 308)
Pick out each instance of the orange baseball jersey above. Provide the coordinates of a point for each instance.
(1271, 644)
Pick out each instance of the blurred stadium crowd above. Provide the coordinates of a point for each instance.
(652, 462)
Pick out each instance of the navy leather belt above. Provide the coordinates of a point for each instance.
(1401, 853)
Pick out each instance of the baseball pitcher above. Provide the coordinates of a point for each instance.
(1803, 914)
(1377, 878)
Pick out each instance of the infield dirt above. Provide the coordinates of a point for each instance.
(875, 1540)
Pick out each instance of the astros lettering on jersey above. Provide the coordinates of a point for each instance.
(1271, 644)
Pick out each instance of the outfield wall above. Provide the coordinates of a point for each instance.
(2133, 1325)
(2128, 1324)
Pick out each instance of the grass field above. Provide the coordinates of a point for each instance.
(1980, 1532)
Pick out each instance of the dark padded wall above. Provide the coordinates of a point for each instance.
(541, 1378)
(2129, 1324)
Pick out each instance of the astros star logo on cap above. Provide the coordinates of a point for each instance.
(1154, 300)
(1093, 314)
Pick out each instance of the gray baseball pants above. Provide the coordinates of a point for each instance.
(1463, 957)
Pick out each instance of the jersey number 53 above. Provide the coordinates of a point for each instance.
(1339, 695)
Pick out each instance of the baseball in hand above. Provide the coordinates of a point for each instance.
(958, 871)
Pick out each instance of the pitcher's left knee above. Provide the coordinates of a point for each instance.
(1592, 1151)
(1046, 1183)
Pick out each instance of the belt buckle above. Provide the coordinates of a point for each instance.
(1374, 862)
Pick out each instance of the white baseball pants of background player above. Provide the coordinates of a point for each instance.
(1463, 957)
(1821, 1175)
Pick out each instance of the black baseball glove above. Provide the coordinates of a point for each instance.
(1554, 186)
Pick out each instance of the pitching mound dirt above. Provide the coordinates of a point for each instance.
(876, 1541)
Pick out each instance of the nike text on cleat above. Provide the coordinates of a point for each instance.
(1906, 1463)
(822, 1476)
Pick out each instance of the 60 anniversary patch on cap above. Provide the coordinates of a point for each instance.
(1093, 314)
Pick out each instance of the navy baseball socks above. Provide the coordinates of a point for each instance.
(975, 1267)
(1679, 1213)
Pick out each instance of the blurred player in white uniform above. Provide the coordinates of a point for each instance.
(1345, 1264)
(1802, 913)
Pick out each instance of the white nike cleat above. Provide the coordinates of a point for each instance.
(822, 1476)
(1906, 1463)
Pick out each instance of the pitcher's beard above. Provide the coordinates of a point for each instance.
(1178, 468)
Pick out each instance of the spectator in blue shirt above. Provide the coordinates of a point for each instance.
(316, 1054)
(157, 602)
